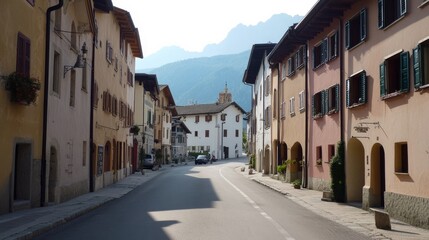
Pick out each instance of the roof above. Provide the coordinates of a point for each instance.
(257, 54)
(182, 125)
(318, 18)
(171, 104)
(130, 33)
(205, 108)
(150, 83)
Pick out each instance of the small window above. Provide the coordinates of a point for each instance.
(207, 133)
(292, 106)
(320, 53)
(283, 73)
(318, 104)
(237, 118)
(196, 134)
(225, 133)
(421, 64)
(300, 58)
(23, 51)
(197, 119)
(355, 30)
(237, 133)
(394, 75)
(333, 96)
(291, 66)
(109, 52)
(282, 109)
(333, 45)
(331, 151)
(319, 155)
(301, 101)
(267, 117)
(401, 157)
(208, 118)
(223, 117)
(356, 93)
(389, 11)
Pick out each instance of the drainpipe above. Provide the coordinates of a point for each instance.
(45, 100)
(262, 163)
(342, 112)
(92, 148)
(278, 115)
(305, 180)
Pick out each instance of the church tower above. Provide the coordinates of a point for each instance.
(225, 96)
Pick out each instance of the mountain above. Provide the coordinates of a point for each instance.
(239, 39)
(197, 78)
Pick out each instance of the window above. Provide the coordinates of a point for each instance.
(292, 106)
(355, 30)
(197, 119)
(319, 155)
(196, 133)
(356, 90)
(331, 151)
(208, 118)
(23, 55)
(267, 117)
(283, 73)
(300, 57)
(84, 79)
(291, 66)
(114, 106)
(320, 53)
(237, 118)
(275, 104)
(207, 133)
(130, 77)
(301, 101)
(421, 64)
(389, 11)
(72, 88)
(318, 104)
(394, 74)
(333, 45)
(401, 157)
(109, 52)
(56, 74)
(223, 117)
(267, 85)
(333, 99)
(225, 133)
(282, 109)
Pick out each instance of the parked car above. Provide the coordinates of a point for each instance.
(201, 159)
(149, 161)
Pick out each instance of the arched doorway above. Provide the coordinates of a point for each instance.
(378, 181)
(115, 160)
(53, 175)
(275, 157)
(266, 159)
(355, 170)
(296, 167)
(22, 175)
(283, 153)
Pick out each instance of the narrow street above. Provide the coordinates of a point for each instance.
(202, 202)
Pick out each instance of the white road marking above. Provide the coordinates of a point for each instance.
(279, 228)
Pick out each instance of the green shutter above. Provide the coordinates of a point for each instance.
(363, 24)
(382, 80)
(348, 92)
(336, 44)
(405, 72)
(380, 14)
(417, 58)
(347, 35)
(403, 6)
(362, 85)
(337, 97)
(324, 101)
(324, 50)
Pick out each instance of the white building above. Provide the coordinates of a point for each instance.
(214, 127)
(179, 139)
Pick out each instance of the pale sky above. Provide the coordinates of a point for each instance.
(193, 24)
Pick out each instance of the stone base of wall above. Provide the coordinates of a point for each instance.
(366, 195)
(74, 190)
(410, 209)
(319, 184)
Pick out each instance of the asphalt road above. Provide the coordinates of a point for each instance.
(202, 202)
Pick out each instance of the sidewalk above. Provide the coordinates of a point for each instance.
(29, 223)
(352, 217)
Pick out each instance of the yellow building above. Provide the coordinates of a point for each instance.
(117, 45)
(22, 50)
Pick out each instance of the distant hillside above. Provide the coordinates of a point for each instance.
(239, 39)
(200, 80)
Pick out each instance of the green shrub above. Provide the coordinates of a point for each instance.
(282, 168)
(338, 174)
(252, 161)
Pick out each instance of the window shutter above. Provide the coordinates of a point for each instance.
(346, 35)
(417, 63)
(382, 80)
(325, 50)
(337, 97)
(312, 105)
(363, 24)
(325, 98)
(362, 84)
(313, 58)
(336, 44)
(380, 14)
(348, 92)
(289, 66)
(405, 72)
(403, 6)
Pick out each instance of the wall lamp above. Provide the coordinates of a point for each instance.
(80, 61)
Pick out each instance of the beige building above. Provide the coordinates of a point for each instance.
(168, 110)
(117, 45)
(22, 50)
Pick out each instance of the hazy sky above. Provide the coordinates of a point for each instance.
(193, 24)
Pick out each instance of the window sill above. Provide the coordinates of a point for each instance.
(422, 87)
(392, 95)
(354, 105)
(393, 23)
(301, 110)
(357, 45)
(292, 114)
(331, 112)
(402, 173)
(317, 116)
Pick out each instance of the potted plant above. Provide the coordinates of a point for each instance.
(319, 161)
(134, 130)
(22, 89)
(296, 184)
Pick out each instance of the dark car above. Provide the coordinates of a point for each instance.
(201, 159)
